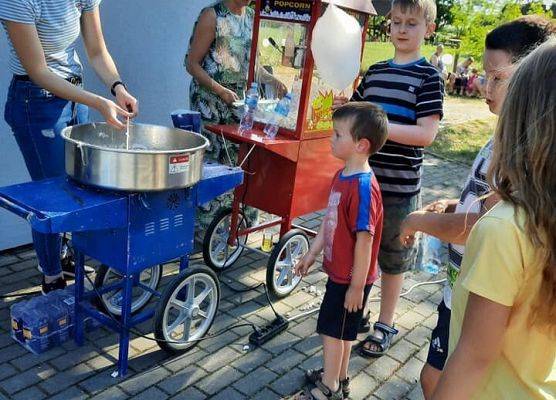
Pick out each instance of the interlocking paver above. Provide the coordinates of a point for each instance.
(394, 388)
(220, 367)
(65, 379)
(362, 386)
(30, 393)
(182, 379)
(152, 393)
(253, 359)
(144, 380)
(255, 381)
(219, 380)
(190, 394)
(289, 383)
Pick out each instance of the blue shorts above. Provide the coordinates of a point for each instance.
(438, 347)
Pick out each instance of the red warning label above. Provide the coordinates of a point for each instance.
(178, 164)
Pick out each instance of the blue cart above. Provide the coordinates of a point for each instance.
(131, 233)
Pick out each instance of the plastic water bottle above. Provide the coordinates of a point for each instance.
(35, 326)
(59, 317)
(280, 112)
(251, 101)
(432, 254)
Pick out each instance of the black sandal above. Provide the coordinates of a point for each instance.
(325, 390)
(315, 375)
(388, 333)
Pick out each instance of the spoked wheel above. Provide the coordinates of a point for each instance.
(187, 309)
(280, 278)
(112, 301)
(217, 253)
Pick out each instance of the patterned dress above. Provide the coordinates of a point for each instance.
(226, 62)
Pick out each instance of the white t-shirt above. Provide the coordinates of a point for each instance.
(475, 187)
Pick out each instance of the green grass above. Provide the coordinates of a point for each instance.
(462, 142)
(380, 51)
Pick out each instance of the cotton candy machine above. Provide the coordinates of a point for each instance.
(143, 158)
(132, 231)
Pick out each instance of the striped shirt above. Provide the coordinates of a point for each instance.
(470, 201)
(406, 92)
(58, 27)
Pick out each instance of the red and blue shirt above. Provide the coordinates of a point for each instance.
(354, 205)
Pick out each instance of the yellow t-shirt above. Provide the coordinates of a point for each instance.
(499, 264)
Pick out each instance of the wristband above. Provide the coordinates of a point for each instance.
(112, 89)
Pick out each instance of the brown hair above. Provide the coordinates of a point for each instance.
(368, 121)
(427, 7)
(523, 171)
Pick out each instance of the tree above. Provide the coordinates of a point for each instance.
(473, 19)
(444, 16)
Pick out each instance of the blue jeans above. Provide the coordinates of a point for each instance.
(36, 118)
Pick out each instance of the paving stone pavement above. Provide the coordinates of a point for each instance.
(221, 368)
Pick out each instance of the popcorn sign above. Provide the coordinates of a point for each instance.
(287, 9)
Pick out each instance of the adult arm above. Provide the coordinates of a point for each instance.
(203, 36)
(28, 47)
(480, 343)
(101, 60)
(443, 224)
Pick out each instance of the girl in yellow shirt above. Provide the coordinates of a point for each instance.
(503, 325)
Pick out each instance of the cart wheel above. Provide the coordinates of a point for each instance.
(112, 301)
(280, 278)
(216, 251)
(186, 309)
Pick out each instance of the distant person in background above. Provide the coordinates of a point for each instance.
(462, 76)
(436, 59)
(474, 87)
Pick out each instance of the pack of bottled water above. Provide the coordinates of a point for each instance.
(44, 322)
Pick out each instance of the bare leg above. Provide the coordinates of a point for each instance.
(333, 352)
(391, 288)
(344, 368)
(429, 379)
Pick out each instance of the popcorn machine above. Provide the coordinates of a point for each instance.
(289, 175)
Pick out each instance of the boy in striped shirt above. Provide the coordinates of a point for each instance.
(410, 90)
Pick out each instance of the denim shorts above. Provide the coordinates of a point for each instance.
(393, 257)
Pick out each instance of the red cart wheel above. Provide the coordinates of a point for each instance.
(280, 278)
(217, 253)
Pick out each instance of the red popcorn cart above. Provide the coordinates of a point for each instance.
(290, 174)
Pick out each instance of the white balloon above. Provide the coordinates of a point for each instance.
(447, 59)
(336, 47)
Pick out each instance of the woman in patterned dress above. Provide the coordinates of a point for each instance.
(218, 61)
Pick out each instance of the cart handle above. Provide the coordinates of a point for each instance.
(20, 210)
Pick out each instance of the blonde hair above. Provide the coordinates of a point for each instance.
(523, 169)
(427, 7)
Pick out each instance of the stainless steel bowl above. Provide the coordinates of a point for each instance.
(158, 158)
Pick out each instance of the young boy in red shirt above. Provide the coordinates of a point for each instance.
(350, 237)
